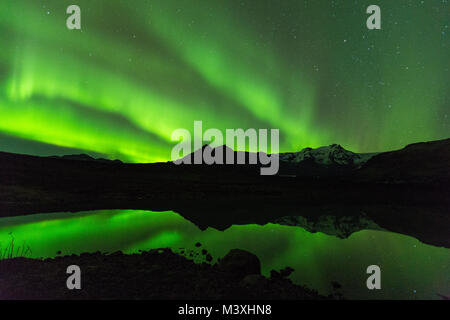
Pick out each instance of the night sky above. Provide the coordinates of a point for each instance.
(140, 69)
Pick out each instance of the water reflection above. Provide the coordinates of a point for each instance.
(410, 269)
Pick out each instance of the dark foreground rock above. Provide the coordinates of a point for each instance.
(240, 263)
(156, 274)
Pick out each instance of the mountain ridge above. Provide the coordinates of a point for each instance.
(417, 162)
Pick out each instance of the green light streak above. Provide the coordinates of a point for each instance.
(161, 65)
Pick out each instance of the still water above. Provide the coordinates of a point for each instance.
(409, 269)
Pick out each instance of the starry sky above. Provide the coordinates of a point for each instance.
(137, 70)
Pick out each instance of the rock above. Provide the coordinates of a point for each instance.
(284, 273)
(336, 285)
(240, 263)
(116, 254)
(253, 280)
(198, 244)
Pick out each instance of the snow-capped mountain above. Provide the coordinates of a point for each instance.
(333, 155)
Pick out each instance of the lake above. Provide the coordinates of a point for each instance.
(409, 268)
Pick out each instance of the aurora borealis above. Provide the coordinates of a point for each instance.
(140, 69)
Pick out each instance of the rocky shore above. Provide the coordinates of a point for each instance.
(155, 274)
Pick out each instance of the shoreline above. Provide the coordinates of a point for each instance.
(158, 274)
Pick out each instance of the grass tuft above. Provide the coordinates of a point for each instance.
(11, 250)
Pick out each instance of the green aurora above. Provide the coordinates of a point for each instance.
(140, 69)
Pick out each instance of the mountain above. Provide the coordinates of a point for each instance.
(424, 162)
(331, 160)
(221, 152)
(83, 157)
(327, 156)
(420, 162)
